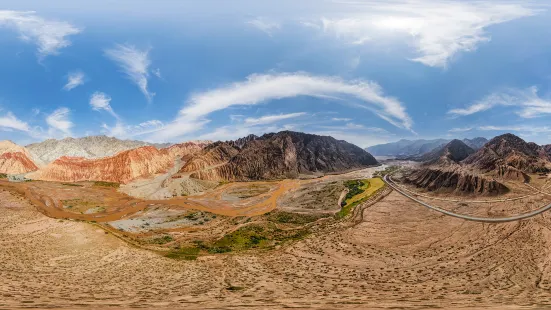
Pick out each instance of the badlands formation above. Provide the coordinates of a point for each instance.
(282, 220)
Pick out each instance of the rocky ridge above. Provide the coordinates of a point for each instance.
(126, 166)
(504, 158)
(14, 159)
(280, 155)
(92, 147)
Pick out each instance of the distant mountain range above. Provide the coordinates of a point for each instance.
(405, 148)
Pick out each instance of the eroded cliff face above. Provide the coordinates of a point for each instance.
(510, 151)
(15, 159)
(276, 156)
(16, 163)
(143, 162)
(455, 180)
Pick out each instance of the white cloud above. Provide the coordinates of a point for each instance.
(266, 87)
(50, 36)
(341, 119)
(461, 129)
(527, 101)
(521, 128)
(101, 101)
(74, 79)
(439, 29)
(269, 119)
(135, 63)
(122, 131)
(157, 73)
(264, 25)
(59, 122)
(10, 122)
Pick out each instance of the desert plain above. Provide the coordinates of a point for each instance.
(388, 253)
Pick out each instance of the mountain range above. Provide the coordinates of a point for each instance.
(272, 156)
(457, 167)
(407, 148)
(91, 147)
(280, 155)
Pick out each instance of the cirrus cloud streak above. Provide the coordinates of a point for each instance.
(262, 88)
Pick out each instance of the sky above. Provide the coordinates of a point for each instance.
(367, 72)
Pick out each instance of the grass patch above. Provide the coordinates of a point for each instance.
(244, 238)
(72, 184)
(162, 240)
(235, 288)
(187, 253)
(250, 237)
(294, 218)
(107, 184)
(359, 192)
(3, 176)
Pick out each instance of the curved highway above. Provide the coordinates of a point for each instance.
(518, 217)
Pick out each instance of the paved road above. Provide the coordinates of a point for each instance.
(518, 217)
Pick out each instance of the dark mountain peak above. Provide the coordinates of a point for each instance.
(457, 150)
(285, 154)
(511, 154)
(453, 152)
(240, 143)
(505, 144)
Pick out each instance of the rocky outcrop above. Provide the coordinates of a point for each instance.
(15, 159)
(276, 156)
(92, 147)
(454, 180)
(126, 166)
(16, 163)
(212, 156)
(451, 153)
(506, 151)
(504, 158)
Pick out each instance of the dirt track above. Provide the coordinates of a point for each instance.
(510, 218)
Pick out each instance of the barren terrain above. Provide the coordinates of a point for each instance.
(392, 253)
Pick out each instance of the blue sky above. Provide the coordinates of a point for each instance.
(367, 72)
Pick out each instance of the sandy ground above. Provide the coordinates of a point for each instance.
(400, 256)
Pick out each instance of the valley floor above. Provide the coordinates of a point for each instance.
(401, 255)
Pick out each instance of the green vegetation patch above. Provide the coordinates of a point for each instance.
(294, 218)
(251, 237)
(359, 192)
(107, 184)
(244, 238)
(162, 240)
(3, 176)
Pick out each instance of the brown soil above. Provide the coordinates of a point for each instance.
(397, 255)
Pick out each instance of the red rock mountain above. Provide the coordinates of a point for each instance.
(15, 159)
(143, 162)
